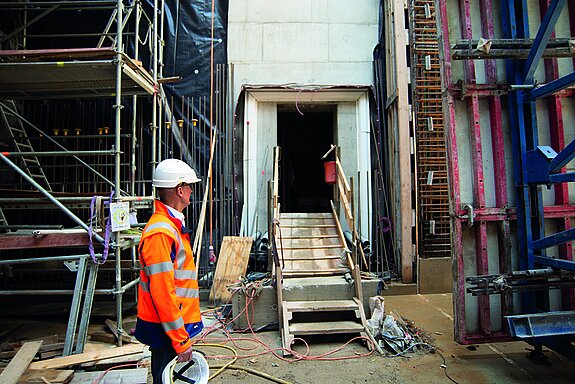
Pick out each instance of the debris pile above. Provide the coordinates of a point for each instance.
(395, 334)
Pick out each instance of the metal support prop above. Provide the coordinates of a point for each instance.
(74, 310)
(87, 308)
(118, 106)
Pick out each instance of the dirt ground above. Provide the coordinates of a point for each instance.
(353, 363)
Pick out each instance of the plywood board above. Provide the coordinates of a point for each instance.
(232, 263)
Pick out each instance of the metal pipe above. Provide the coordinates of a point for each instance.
(50, 197)
(155, 98)
(79, 199)
(59, 153)
(135, 106)
(15, 113)
(118, 143)
(61, 292)
(45, 259)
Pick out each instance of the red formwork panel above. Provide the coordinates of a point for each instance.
(480, 164)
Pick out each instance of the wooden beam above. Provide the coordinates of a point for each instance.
(402, 151)
(8, 242)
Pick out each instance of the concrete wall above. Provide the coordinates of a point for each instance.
(260, 136)
(307, 44)
(301, 42)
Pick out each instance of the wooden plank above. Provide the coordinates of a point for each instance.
(325, 241)
(311, 258)
(101, 354)
(306, 254)
(310, 237)
(125, 376)
(44, 241)
(54, 376)
(302, 221)
(314, 264)
(232, 263)
(311, 273)
(321, 305)
(20, 362)
(310, 215)
(314, 247)
(325, 328)
(308, 231)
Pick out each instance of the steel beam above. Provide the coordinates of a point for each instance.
(542, 324)
(555, 239)
(567, 265)
(551, 88)
(543, 35)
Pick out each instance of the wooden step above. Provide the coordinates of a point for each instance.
(308, 231)
(321, 226)
(314, 272)
(310, 237)
(311, 265)
(325, 328)
(305, 215)
(320, 305)
(309, 242)
(308, 254)
(311, 257)
(310, 247)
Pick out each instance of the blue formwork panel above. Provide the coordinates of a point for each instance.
(542, 324)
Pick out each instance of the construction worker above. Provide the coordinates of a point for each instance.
(168, 302)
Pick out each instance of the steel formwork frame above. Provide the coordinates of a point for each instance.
(534, 165)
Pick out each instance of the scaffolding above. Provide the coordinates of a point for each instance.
(50, 103)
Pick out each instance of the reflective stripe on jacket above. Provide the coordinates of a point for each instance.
(168, 294)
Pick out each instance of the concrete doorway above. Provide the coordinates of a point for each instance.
(304, 135)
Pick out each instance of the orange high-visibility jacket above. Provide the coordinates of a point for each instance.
(168, 301)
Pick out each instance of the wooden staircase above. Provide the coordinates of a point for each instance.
(312, 250)
(310, 245)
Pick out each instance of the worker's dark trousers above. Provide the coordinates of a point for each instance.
(160, 358)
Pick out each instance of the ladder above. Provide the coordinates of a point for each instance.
(13, 122)
(313, 254)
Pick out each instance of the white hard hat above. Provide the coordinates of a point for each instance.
(172, 172)
(193, 371)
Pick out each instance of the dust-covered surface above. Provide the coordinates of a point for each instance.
(331, 359)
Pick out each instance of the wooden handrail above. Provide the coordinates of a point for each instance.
(346, 194)
(342, 238)
(275, 188)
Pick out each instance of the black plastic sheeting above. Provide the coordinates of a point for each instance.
(187, 36)
(383, 224)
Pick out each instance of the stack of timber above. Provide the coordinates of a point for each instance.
(312, 251)
(27, 366)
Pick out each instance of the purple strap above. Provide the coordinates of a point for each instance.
(385, 224)
(107, 232)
